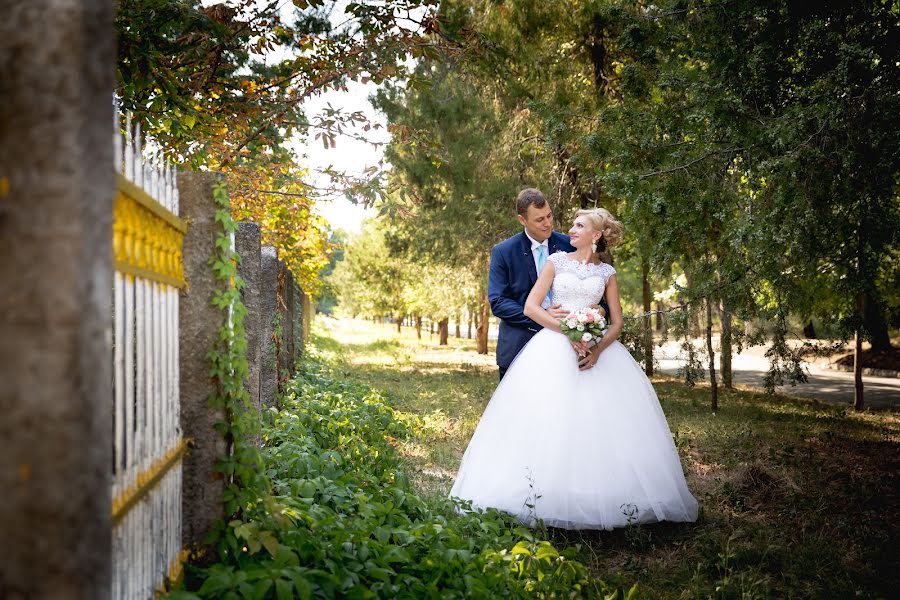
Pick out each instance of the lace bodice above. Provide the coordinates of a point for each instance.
(576, 285)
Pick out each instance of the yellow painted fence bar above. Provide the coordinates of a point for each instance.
(146, 481)
(147, 238)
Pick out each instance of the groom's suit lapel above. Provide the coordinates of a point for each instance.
(527, 258)
(551, 246)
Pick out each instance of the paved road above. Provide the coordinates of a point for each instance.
(829, 385)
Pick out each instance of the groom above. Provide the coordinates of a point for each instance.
(515, 264)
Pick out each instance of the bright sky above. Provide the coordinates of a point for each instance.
(350, 155)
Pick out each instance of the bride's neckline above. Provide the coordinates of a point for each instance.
(578, 262)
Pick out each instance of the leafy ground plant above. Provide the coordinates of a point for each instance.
(340, 518)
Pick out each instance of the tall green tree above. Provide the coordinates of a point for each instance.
(368, 281)
(458, 157)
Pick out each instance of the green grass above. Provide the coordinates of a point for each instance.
(798, 498)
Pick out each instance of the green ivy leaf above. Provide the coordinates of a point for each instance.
(520, 549)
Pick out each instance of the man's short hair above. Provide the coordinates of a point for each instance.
(529, 197)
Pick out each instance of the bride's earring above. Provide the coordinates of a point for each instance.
(594, 247)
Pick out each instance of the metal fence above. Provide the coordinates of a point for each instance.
(147, 441)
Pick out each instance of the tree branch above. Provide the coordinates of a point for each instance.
(686, 166)
(283, 193)
(268, 121)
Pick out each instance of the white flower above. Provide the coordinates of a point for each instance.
(580, 327)
(586, 337)
(571, 323)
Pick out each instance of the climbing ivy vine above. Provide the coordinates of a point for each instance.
(228, 367)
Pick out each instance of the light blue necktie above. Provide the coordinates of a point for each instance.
(542, 260)
(542, 257)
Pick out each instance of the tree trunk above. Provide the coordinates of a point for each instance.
(875, 324)
(469, 333)
(431, 328)
(646, 329)
(712, 358)
(693, 324)
(399, 322)
(809, 330)
(659, 316)
(858, 399)
(419, 327)
(725, 341)
(443, 331)
(481, 332)
(458, 319)
(861, 310)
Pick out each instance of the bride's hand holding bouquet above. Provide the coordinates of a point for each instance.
(584, 327)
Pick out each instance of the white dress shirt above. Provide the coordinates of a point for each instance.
(534, 254)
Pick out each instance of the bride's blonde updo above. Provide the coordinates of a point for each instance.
(602, 221)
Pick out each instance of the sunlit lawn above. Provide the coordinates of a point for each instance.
(798, 499)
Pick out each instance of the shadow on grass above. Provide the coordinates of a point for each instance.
(329, 344)
(797, 498)
(425, 387)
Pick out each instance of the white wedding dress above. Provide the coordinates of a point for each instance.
(578, 449)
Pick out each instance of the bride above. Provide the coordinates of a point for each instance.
(577, 448)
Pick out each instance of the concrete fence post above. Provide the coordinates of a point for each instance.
(291, 291)
(57, 184)
(199, 325)
(299, 315)
(268, 300)
(306, 322)
(247, 245)
(286, 310)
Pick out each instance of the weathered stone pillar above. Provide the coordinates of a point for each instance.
(286, 309)
(57, 73)
(268, 295)
(247, 245)
(298, 321)
(293, 302)
(302, 312)
(308, 310)
(199, 325)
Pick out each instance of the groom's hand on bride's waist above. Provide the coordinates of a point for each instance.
(557, 312)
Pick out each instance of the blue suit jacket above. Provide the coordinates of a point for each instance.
(511, 278)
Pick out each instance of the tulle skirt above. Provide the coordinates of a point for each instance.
(576, 449)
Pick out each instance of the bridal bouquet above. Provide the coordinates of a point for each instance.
(584, 325)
